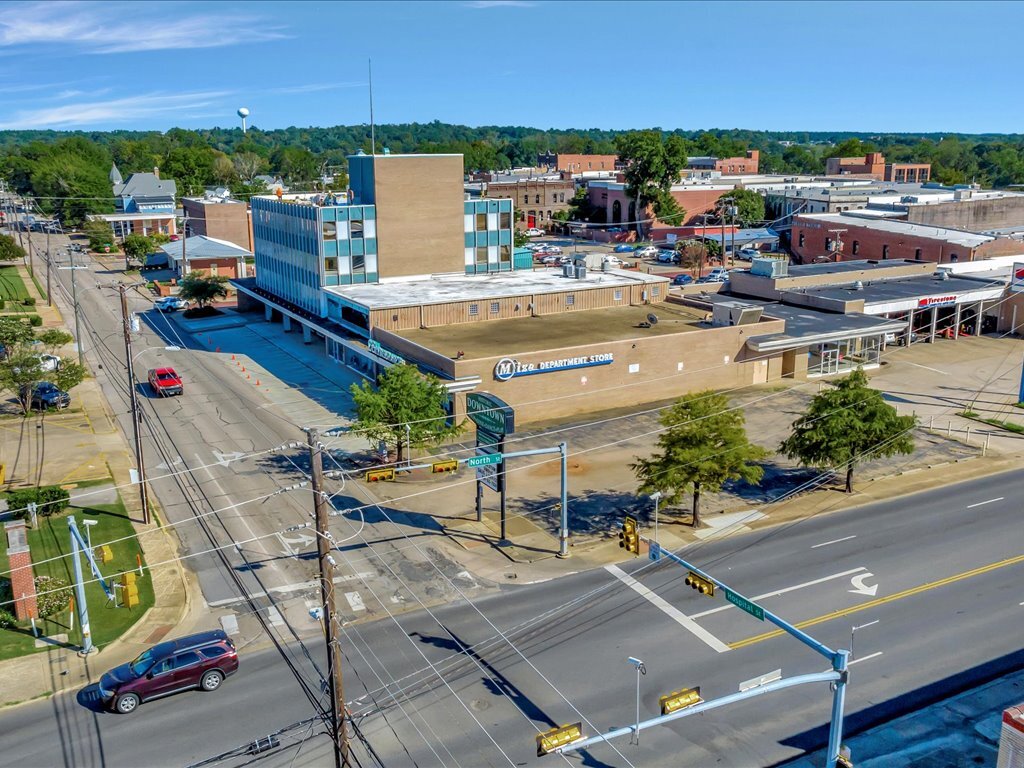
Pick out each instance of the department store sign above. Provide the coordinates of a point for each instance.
(509, 368)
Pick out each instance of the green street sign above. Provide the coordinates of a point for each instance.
(485, 460)
(743, 604)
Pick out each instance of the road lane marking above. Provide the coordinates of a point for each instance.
(918, 365)
(834, 541)
(673, 613)
(883, 600)
(861, 588)
(874, 655)
(778, 592)
(983, 503)
(355, 600)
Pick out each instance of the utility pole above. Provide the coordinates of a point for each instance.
(49, 295)
(74, 300)
(323, 547)
(134, 399)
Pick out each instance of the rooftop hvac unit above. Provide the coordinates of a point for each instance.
(581, 272)
(727, 313)
(767, 266)
(568, 270)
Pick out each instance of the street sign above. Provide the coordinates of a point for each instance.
(484, 460)
(743, 604)
(490, 413)
(655, 552)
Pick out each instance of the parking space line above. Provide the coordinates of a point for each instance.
(778, 592)
(671, 611)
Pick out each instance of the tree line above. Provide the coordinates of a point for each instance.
(67, 172)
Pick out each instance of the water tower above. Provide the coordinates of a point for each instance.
(243, 112)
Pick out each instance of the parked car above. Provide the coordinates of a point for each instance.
(624, 248)
(682, 279)
(47, 395)
(169, 304)
(667, 257)
(551, 258)
(746, 254)
(613, 261)
(549, 250)
(49, 362)
(646, 251)
(200, 661)
(165, 382)
(534, 232)
(174, 238)
(719, 273)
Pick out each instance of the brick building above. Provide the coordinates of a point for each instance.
(840, 237)
(578, 163)
(873, 166)
(726, 165)
(19, 560)
(218, 217)
(536, 200)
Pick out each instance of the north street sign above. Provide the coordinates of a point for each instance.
(484, 460)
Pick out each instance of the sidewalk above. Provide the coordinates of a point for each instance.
(60, 669)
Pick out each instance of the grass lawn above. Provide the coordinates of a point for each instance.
(49, 540)
(12, 287)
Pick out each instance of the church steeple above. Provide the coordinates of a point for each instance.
(115, 175)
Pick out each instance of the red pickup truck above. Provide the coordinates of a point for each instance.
(165, 382)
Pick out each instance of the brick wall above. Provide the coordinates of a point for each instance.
(23, 586)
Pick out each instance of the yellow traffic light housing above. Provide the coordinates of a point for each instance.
(549, 741)
(376, 475)
(629, 536)
(672, 702)
(449, 465)
(702, 585)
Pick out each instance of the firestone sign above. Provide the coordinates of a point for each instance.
(509, 368)
(935, 301)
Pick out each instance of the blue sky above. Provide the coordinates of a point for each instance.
(868, 66)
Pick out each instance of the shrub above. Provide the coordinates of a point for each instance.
(52, 500)
(29, 302)
(35, 321)
(53, 595)
(7, 619)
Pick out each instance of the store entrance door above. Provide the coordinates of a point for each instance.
(829, 361)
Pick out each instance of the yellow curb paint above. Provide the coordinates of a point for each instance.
(883, 600)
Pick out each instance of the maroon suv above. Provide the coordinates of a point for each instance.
(197, 661)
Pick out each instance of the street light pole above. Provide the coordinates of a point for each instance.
(641, 669)
(49, 294)
(134, 400)
(656, 497)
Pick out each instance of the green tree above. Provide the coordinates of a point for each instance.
(653, 165)
(54, 338)
(13, 333)
(137, 247)
(519, 238)
(10, 250)
(749, 207)
(99, 234)
(704, 446)
(248, 166)
(404, 406)
(846, 425)
(68, 375)
(202, 288)
(20, 371)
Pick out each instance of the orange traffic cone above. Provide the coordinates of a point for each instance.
(257, 382)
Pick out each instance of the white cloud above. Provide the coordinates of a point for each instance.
(484, 4)
(113, 111)
(313, 87)
(119, 28)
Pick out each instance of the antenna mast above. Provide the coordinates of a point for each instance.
(373, 134)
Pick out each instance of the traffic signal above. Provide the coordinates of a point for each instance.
(376, 475)
(702, 585)
(449, 465)
(629, 536)
(677, 700)
(549, 741)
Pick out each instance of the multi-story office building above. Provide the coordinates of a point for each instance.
(403, 217)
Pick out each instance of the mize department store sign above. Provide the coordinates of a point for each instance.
(508, 367)
(376, 349)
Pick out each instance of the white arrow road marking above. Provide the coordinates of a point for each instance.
(674, 613)
(293, 545)
(778, 592)
(226, 458)
(165, 465)
(356, 601)
(861, 587)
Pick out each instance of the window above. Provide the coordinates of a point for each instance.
(358, 263)
(495, 307)
(186, 659)
(481, 255)
(801, 239)
(506, 220)
(505, 254)
(856, 247)
(164, 666)
(538, 199)
(213, 651)
(917, 253)
(481, 222)
(885, 251)
(355, 229)
(474, 310)
(618, 294)
(330, 230)
(561, 197)
(954, 258)
(526, 199)
(655, 290)
(330, 265)
(570, 300)
(828, 243)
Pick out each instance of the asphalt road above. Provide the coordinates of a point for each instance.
(935, 577)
